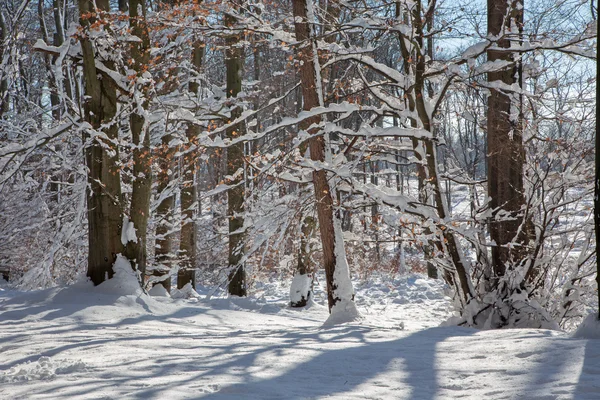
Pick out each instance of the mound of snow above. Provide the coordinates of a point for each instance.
(43, 369)
(186, 292)
(341, 313)
(589, 328)
(125, 282)
(158, 291)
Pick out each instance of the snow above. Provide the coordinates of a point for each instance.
(100, 342)
(158, 291)
(125, 282)
(344, 310)
(475, 50)
(128, 231)
(186, 292)
(300, 288)
(589, 328)
(43, 368)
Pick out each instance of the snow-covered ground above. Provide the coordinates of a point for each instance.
(112, 342)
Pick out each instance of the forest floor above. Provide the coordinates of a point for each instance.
(112, 342)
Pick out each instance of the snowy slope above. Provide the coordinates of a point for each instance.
(103, 343)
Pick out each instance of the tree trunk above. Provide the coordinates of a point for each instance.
(234, 61)
(140, 133)
(164, 213)
(187, 243)
(375, 211)
(304, 265)
(597, 182)
(339, 286)
(52, 87)
(4, 53)
(59, 39)
(409, 59)
(104, 185)
(427, 163)
(506, 155)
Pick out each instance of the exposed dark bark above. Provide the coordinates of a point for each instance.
(48, 59)
(59, 38)
(304, 266)
(426, 157)
(164, 213)
(140, 133)
(310, 97)
(375, 211)
(52, 82)
(597, 183)
(506, 154)
(431, 268)
(234, 62)
(408, 62)
(187, 244)
(4, 97)
(58, 22)
(304, 251)
(104, 192)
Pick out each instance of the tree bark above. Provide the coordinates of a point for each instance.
(164, 212)
(425, 153)
(52, 86)
(506, 154)
(597, 181)
(234, 61)
(59, 39)
(142, 157)
(187, 244)
(4, 96)
(339, 287)
(102, 158)
(374, 166)
(408, 60)
(304, 265)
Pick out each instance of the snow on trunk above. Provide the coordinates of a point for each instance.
(344, 309)
(300, 290)
(128, 231)
(340, 294)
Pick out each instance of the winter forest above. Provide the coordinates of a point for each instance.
(290, 199)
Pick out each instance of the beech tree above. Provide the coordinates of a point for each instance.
(506, 153)
(189, 196)
(597, 177)
(4, 100)
(105, 208)
(140, 132)
(340, 294)
(234, 62)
